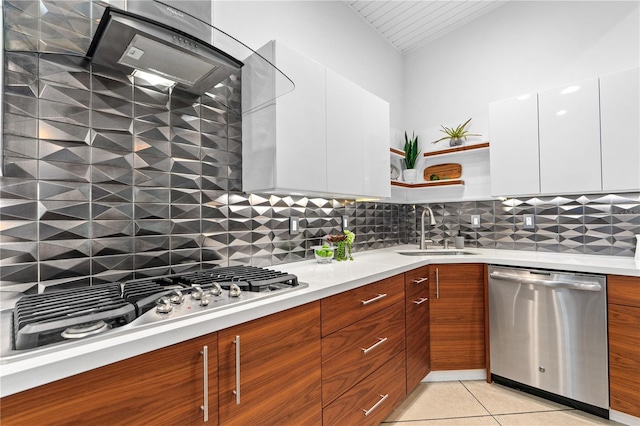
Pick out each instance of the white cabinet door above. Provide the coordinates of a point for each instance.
(345, 139)
(301, 157)
(620, 130)
(569, 119)
(377, 139)
(284, 143)
(514, 159)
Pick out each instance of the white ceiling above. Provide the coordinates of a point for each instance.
(410, 24)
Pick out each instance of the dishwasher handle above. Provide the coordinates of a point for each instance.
(586, 286)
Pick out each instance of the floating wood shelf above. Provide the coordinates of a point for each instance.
(457, 149)
(445, 182)
(397, 152)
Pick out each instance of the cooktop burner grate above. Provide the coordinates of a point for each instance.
(40, 319)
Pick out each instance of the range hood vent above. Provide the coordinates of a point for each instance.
(129, 42)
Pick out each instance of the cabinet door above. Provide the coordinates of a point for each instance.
(624, 335)
(417, 330)
(165, 386)
(515, 163)
(620, 127)
(375, 128)
(283, 142)
(277, 379)
(570, 160)
(345, 140)
(301, 157)
(456, 305)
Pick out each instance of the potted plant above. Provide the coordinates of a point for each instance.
(457, 134)
(411, 153)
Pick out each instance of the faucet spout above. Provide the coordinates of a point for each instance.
(432, 221)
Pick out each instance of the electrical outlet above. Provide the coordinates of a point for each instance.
(345, 222)
(294, 227)
(475, 221)
(529, 221)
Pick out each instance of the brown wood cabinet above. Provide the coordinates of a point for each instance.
(163, 387)
(456, 304)
(352, 353)
(418, 352)
(274, 364)
(363, 359)
(624, 349)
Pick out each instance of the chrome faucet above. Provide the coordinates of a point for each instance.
(432, 221)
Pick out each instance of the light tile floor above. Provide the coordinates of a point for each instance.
(480, 403)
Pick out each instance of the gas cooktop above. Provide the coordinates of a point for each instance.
(63, 316)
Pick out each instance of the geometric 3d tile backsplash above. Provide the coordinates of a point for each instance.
(107, 178)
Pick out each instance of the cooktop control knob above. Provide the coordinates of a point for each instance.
(163, 305)
(216, 290)
(205, 300)
(177, 298)
(234, 290)
(197, 293)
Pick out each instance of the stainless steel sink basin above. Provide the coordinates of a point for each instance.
(434, 252)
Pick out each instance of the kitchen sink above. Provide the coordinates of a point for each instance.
(434, 252)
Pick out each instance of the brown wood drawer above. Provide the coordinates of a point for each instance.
(342, 309)
(349, 408)
(624, 359)
(623, 290)
(416, 283)
(344, 362)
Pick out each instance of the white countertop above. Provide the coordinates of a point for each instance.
(43, 366)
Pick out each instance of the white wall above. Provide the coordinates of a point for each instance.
(520, 47)
(328, 32)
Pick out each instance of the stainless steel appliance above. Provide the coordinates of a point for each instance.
(548, 331)
(68, 315)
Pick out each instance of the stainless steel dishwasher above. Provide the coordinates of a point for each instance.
(548, 331)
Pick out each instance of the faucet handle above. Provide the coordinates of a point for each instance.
(446, 244)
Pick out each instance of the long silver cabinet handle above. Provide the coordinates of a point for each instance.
(382, 398)
(237, 391)
(380, 341)
(205, 363)
(420, 280)
(378, 297)
(421, 301)
(587, 286)
(437, 284)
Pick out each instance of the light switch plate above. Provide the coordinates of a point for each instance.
(475, 221)
(294, 225)
(345, 222)
(529, 221)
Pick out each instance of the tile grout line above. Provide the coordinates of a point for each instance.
(511, 414)
(474, 397)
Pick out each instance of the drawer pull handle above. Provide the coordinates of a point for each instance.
(382, 398)
(420, 280)
(205, 361)
(378, 297)
(380, 341)
(421, 301)
(236, 392)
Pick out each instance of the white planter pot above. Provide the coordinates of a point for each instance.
(638, 246)
(410, 175)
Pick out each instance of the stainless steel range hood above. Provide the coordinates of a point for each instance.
(130, 43)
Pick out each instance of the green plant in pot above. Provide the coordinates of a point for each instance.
(456, 135)
(411, 153)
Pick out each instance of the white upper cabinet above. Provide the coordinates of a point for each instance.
(284, 142)
(620, 130)
(327, 137)
(569, 126)
(514, 159)
(357, 140)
